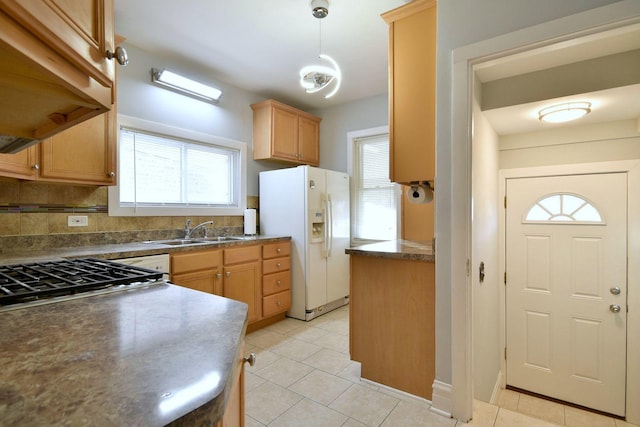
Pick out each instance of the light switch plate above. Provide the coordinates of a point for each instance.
(77, 220)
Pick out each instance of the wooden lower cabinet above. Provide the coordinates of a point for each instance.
(199, 270)
(276, 282)
(234, 412)
(392, 322)
(242, 283)
(258, 275)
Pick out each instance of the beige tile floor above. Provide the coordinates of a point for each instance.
(303, 377)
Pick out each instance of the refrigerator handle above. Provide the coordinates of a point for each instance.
(325, 243)
(329, 225)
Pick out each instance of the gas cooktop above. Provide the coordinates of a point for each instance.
(24, 283)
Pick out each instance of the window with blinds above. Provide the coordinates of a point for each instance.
(162, 174)
(375, 198)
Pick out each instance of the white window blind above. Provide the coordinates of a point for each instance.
(162, 174)
(375, 197)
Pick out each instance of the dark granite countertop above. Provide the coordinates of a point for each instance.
(125, 250)
(396, 249)
(141, 357)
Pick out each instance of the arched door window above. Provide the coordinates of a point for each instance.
(563, 208)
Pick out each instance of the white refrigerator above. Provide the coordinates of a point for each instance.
(312, 206)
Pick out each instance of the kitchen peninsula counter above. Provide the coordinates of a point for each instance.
(396, 249)
(150, 356)
(392, 314)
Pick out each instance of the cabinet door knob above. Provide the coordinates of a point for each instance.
(228, 274)
(111, 174)
(35, 167)
(278, 250)
(120, 55)
(251, 359)
(219, 276)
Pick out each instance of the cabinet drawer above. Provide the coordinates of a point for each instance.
(275, 265)
(276, 282)
(242, 254)
(194, 261)
(276, 303)
(273, 250)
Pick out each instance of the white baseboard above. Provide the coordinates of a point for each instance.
(441, 400)
(496, 389)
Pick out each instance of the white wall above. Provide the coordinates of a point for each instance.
(232, 117)
(461, 23)
(338, 121)
(486, 301)
(599, 142)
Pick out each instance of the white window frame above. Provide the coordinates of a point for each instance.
(185, 134)
(554, 214)
(351, 158)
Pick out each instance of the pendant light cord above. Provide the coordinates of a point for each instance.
(319, 40)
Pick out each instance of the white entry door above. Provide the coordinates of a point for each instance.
(566, 265)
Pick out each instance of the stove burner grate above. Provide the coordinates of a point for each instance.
(32, 281)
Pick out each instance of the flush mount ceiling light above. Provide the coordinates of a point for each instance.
(314, 78)
(564, 112)
(176, 82)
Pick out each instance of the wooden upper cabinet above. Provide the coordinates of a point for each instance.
(85, 153)
(412, 91)
(20, 165)
(53, 64)
(284, 133)
(81, 30)
(309, 137)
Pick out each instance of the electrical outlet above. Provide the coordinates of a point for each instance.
(77, 221)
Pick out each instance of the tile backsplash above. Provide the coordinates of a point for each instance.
(33, 216)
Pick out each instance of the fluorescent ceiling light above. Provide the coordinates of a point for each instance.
(564, 112)
(185, 86)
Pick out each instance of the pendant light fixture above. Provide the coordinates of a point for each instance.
(314, 78)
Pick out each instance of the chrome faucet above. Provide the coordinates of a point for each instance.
(188, 230)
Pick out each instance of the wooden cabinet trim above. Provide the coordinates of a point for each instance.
(407, 10)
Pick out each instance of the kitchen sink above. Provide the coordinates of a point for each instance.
(200, 240)
(219, 238)
(176, 242)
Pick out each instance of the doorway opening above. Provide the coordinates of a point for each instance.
(496, 153)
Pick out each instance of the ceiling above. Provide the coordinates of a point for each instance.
(260, 46)
(610, 104)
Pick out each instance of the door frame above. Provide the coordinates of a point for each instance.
(453, 266)
(632, 169)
